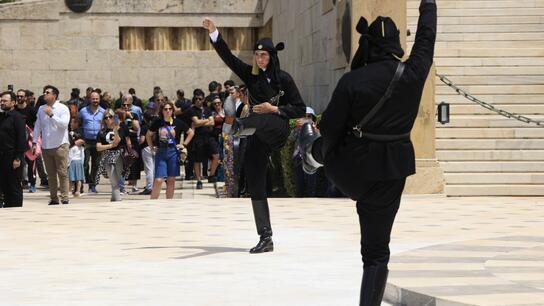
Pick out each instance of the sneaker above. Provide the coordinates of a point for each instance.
(92, 189)
(32, 189)
(54, 202)
(199, 185)
(65, 202)
(135, 189)
(212, 179)
(122, 191)
(44, 183)
(77, 194)
(145, 192)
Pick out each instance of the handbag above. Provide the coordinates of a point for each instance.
(130, 156)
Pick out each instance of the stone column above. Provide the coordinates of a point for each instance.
(429, 177)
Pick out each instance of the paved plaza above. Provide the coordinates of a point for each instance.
(194, 251)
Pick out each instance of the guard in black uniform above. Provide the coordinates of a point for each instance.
(369, 159)
(268, 123)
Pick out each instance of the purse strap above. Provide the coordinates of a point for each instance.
(358, 129)
(172, 137)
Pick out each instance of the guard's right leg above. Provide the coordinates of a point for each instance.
(377, 209)
(256, 165)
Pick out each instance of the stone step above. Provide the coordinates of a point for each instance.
(526, 110)
(492, 166)
(490, 52)
(481, 4)
(502, 70)
(492, 89)
(487, 121)
(454, 98)
(479, 20)
(498, 80)
(490, 38)
(489, 61)
(490, 144)
(492, 29)
(490, 155)
(468, 133)
(494, 178)
(479, 12)
(494, 190)
(485, 44)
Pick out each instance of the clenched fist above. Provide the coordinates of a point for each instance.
(208, 24)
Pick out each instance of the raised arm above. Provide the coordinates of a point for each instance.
(241, 69)
(421, 57)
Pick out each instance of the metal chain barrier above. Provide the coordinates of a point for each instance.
(488, 106)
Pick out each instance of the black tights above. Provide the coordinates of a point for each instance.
(377, 209)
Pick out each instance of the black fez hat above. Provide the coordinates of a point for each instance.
(266, 44)
(379, 41)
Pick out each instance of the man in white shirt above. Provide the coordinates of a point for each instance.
(52, 125)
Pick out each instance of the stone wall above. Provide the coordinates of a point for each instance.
(42, 42)
(309, 33)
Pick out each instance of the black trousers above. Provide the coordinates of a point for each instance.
(377, 209)
(271, 134)
(10, 181)
(31, 174)
(90, 164)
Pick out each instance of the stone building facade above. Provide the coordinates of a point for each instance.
(119, 44)
(43, 42)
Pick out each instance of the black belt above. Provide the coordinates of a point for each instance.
(381, 137)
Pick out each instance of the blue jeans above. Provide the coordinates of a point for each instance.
(166, 162)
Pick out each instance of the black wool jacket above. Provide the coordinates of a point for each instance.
(13, 138)
(360, 90)
(290, 105)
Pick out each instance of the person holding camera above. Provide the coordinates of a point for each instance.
(164, 137)
(148, 156)
(110, 141)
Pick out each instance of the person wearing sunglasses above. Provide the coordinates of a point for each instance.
(275, 99)
(164, 136)
(110, 141)
(204, 146)
(52, 126)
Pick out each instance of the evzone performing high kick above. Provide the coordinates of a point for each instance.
(274, 99)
